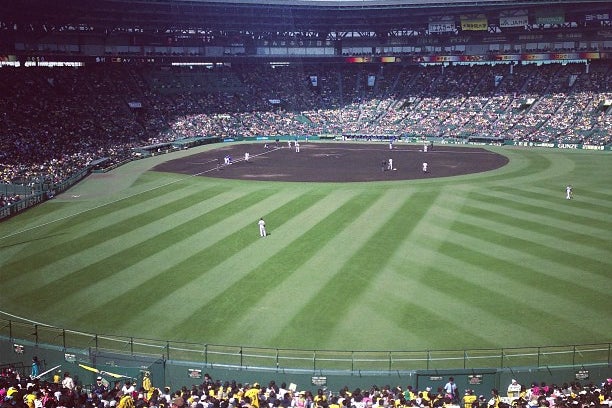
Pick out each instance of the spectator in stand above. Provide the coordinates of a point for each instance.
(68, 382)
(514, 390)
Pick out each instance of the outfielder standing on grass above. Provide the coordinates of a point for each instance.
(262, 227)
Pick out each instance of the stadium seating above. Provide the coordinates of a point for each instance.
(86, 114)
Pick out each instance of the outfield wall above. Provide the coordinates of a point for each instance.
(175, 374)
(175, 364)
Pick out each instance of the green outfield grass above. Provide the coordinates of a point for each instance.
(498, 259)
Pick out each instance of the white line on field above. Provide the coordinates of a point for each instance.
(121, 199)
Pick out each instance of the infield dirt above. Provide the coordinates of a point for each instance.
(334, 162)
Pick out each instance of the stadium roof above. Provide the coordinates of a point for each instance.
(395, 3)
(318, 16)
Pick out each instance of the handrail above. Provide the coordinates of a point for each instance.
(302, 360)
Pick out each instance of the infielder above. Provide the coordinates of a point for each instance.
(424, 167)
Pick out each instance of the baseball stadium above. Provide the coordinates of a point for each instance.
(308, 203)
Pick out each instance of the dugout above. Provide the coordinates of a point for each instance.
(189, 142)
(151, 150)
(489, 140)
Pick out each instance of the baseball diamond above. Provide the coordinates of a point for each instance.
(335, 162)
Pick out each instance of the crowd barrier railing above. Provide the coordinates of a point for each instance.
(301, 360)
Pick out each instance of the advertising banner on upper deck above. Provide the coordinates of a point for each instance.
(550, 15)
(513, 18)
(441, 24)
(474, 22)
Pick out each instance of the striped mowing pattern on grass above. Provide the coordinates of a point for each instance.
(497, 259)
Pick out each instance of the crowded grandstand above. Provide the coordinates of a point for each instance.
(61, 390)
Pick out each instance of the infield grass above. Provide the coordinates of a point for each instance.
(491, 260)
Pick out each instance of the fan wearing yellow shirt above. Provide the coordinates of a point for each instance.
(126, 401)
(30, 397)
(469, 398)
(320, 399)
(146, 382)
(409, 394)
(57, 378)
(253, 394)
(495, 399)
